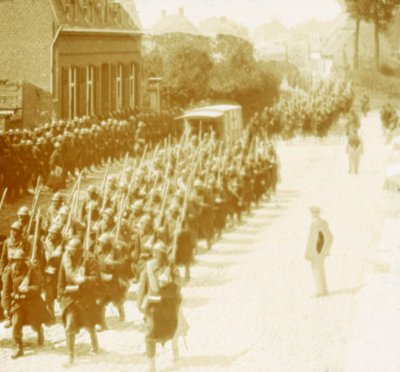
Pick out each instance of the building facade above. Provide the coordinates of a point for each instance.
(83, 55)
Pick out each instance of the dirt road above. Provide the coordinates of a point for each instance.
(251, 303)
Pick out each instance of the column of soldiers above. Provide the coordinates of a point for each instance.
(139, 226)
(311, 113)
(56, 152)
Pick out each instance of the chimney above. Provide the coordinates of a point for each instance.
(181, 12)
(163, 13)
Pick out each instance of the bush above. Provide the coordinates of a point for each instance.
(375, 81)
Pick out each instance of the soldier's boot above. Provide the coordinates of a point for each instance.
(151, 364)
(121, 312)
(7, 322)
(40, 339)
(94, 341)
(71, 348)
(20, 351)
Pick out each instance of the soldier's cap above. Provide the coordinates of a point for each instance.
(74, 243)
(315, 209)
(105, 238)
(17, 254)
(55, 229)
(57, 197)
(23, 211)
(160, 247)
(16, 225)
(198, 183)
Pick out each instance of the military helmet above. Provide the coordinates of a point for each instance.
(109, 212)
(92, 189)
(138, 205)
(105, 238)
(160, 247)
(74, 243)
(64, 210)
(55, 229)
(23, 211)
(57, 197)
(16, 225)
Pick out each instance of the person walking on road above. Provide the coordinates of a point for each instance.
(318, 246)
(354, 150)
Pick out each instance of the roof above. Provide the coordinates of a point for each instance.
(174, 23)
(212, 112)
(221, 25)
(198, 114)
(106, 15)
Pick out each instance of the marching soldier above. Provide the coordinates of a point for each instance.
(112, 262)
(52, 252)
(21, 299)
(77, 286)
(159, 299)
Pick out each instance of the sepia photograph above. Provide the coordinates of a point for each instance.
(200, 185)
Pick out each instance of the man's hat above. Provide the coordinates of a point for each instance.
(315, 209)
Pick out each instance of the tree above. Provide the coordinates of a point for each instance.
(381, 13)
(357, 9)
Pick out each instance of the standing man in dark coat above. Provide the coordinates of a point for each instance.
(78, 280)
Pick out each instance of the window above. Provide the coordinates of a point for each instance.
(118, 88)
(132, 83)
(72, 73)
(89, 90)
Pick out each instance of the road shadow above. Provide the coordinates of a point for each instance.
(225, 252)
(205, 361)
(206, 282)
(345, 291)
(194, 302)
(213, 265)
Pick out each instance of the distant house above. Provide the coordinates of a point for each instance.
(173, 23)
(223, 25)
(77, 57)
(339, 43)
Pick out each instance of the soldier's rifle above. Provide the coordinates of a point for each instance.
(143, 156)
(25, 282)
(123, 168)
(3, 198)
(34, 206)
(104, 183)
(163, 204)
(86, 243)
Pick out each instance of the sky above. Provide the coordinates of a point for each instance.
(250, 13)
